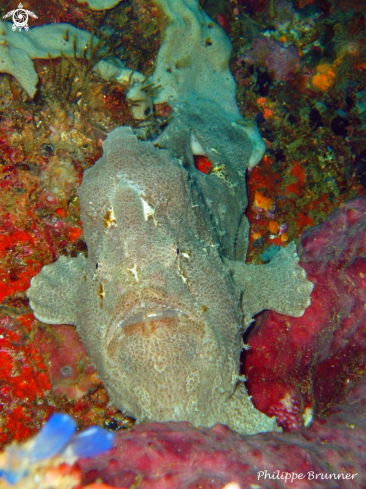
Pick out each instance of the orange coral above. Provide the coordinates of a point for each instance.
(273, 227)
(263, 202)
(324, 77)
(267, 113)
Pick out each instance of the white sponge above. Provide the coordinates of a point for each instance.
(193, 60)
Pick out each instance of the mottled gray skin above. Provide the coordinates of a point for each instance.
(223, 192)
(160, 302)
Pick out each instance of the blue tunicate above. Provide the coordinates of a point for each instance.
(91, 442)
(12, 476)
(53, 437)
(56, 437)
(16, 469)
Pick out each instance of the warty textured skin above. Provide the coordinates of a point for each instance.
(155, 302)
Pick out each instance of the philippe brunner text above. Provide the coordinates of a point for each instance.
(311, 475)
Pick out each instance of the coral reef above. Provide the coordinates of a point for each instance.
(315, 161)
(329, 340)
(179, 456)
(23, 377)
